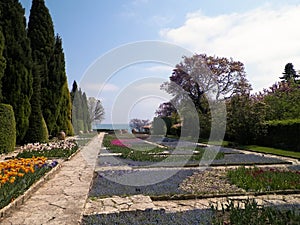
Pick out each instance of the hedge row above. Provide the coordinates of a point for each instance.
(284, 134)
(7, 129)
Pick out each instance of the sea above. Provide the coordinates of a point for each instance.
(109, 126)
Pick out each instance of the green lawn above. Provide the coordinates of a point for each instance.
(274, 151)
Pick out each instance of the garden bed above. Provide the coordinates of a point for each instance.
(193, 183)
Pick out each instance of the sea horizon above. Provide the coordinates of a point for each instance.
(111, 126)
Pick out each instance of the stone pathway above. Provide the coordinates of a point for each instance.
(61, 200)
(141, 202)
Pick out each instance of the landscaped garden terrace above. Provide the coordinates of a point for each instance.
(252, 174)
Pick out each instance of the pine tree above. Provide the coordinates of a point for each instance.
(17, 79)
(289, 73)
(2, 62)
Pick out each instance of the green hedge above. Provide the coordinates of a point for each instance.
(7, 129)
(283, 134)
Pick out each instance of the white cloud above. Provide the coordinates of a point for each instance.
(264, 39)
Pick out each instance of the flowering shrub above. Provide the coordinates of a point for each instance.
(17, 175)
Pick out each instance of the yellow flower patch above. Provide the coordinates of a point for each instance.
(13, 168)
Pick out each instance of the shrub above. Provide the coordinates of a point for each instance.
(282, 134)
(7, 129)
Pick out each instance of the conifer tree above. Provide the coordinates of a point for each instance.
(37, 131)
(41, 34)
(17, 79)
(2, 62)
(80, 111)
(48, 53)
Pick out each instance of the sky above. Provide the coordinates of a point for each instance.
(262, 34)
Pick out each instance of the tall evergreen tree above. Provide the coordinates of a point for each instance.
(57, 91)
(37, 131)
(2, 62)
(41, 34)
(80, 111)
(17, 79)
(289, 73)
(48, 53)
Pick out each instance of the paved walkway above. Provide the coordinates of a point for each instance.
(140, 202)
(61, 200)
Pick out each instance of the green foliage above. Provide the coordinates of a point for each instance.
(2, 61)
(17, 77)
(64, 116)
(282, 134)
(245, 119)
(249, 212)
(289, 73)
(7, 129)
(48, 54)
(264, 179)
(283, 102)
(37, 131)
(158, 127)
(274, 151)
(80, 111)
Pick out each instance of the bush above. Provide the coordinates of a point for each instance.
(282, 134)
(7, 129)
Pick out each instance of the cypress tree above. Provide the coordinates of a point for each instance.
(41, 34)
(2, 62)
(17, 79)
(48, 54)
(60, 92)
(80, 111)
(37, 131)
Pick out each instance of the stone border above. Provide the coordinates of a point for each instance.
(221, 195)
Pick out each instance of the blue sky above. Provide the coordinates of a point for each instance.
(262, 34)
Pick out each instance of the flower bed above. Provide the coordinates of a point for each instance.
(17, 175)
(60, 149)
(264, 179)
(103, 186)
(138, 150)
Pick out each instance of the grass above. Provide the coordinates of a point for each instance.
(264, 179)
(274, 151)
(255, 148)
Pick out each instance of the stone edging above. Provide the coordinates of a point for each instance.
(195, 196)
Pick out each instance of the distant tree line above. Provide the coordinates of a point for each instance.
(33, 78)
